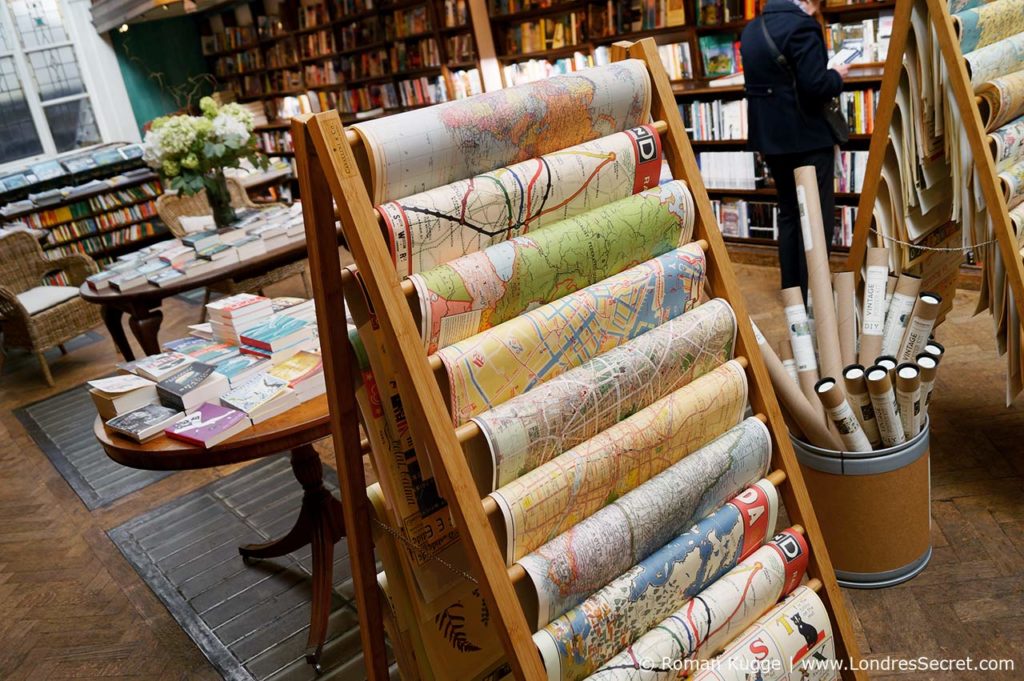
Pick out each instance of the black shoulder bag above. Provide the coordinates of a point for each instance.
(832, 111)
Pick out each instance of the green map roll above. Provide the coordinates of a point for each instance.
(483, 289)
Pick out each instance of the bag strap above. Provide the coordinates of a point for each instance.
(779, 58)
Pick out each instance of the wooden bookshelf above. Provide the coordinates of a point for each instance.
(364, 58)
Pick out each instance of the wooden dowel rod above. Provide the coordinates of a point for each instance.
(814, 584)
(776, 477)
(661, 127)
(799, 529)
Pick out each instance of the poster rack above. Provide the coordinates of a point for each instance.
(984, 164)
(328, 169)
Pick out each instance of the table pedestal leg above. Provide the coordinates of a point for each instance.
(112, 320)
(145, 324)
(319, 523)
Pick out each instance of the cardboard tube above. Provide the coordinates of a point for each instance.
(935, 349)
(922, 321)
(843, 283)
(898, 315)
(844, 418)
(883, 400)
(889, 362)
(929, 367)
(908, 397)
(786, 355)
(806, 417)
(819, 276)
(803, 346)
(890, 288)
(872, 317)
(858, 397)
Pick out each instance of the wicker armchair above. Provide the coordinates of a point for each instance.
(22, 267)
(172, 206)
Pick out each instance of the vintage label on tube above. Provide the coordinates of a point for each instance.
(916, 337)
(896, 320)
(853, 436)
(909, 404)
(801, 337)
(889, 425)
(861, 405)
(873, 319)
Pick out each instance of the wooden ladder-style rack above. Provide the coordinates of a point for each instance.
(984, 164)
(327, 167)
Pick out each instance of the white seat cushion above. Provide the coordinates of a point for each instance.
(42, 298)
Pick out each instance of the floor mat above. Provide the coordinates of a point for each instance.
(62, 427)
(250, 621)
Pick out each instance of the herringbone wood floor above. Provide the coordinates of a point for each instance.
(71, 607)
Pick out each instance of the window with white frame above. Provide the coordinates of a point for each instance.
(45, 106)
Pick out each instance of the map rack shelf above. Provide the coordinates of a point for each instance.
(328, 170)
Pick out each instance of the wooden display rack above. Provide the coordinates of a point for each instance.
(984, 164)
(328, 167)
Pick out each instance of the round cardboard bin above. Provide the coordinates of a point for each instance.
(874, 509)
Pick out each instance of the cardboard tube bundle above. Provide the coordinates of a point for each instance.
(806, 417)
(800, 337)
(898, 315)
(786, 355)
(872, 316)
(929, 366)
(819, 276)
(922, 321)
(843, 283)
(908, 398)
(883, 399)
(843, 417)
(859, 399)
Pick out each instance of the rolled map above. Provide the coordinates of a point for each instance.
(575, 644)
(898, 315)
(922, 321)
(859, 398)
(791, 642)
(883, 399)
(908, 397)
(839, 411)
(844, 285)
(708, 622)
(803, 345)
(872, 317)
(819, 276)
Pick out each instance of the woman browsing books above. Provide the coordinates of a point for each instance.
(788, 87)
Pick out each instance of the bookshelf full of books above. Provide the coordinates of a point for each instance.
(104, 216)
(366, 58)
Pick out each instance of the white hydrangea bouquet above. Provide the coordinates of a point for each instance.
(191, 152)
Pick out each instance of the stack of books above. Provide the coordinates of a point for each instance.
(231, 316)
(190, 387)
(261, 397)
(121, 394)
(304, 372)
(277, 338)
(159, 367)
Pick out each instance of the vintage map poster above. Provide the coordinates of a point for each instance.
(556, 496)
(575, 644)
(989, 23)
(1012, 182)
(576, 563)
(491, 367)
(433, 227)
(1008, 145)
(791, 642)
(997, 59)
(417, 150)
(1002, 100)
(482, 289)
(555, 416)
(711, 619)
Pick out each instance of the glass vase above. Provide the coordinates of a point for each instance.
(220, 199)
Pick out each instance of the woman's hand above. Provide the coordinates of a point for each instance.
(842, 70)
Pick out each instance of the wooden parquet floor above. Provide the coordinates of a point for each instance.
(72, 607)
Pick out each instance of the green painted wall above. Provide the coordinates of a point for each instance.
(161, 62)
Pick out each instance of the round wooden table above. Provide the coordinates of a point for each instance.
(320, 520)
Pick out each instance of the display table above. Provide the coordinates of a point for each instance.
(319, 522)
(142, 303)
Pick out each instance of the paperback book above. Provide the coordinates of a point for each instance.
(190, 387)
(145, 423)
(209, 425)
(159, 367)
(121, 394)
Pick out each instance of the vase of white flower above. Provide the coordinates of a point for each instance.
(216, 186)
(191, 152)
